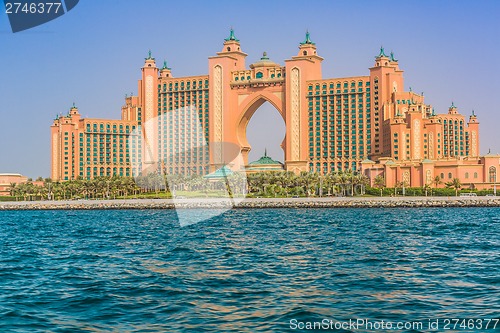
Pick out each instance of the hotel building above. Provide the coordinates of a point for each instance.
(7, 180)
(366, 123)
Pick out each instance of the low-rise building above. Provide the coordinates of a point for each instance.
(7, 180)
(473, 172)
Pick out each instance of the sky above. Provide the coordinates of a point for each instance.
(450, 50)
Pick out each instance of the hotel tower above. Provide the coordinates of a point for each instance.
(369, 124)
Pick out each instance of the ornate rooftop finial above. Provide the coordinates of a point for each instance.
(473, 114)
(392, 57)
(308, 39)
(74, 107)
(410, 89)
(452, 105)
(149, 56)
(265, 152)
(264, 56)
(433, 112)
(231, 36)
(165, 65)
(382, 53)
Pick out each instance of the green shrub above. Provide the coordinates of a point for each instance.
(7, 198)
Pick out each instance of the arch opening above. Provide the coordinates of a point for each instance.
(263, 130)
(493, 174)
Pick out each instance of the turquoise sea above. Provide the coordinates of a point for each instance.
(246, 270)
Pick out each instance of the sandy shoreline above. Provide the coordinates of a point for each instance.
(347, 202)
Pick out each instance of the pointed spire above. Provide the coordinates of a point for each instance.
(382, 53)
(308, 39)
(149, 56)
(452, 105)
(473, 114)
(392, 57)
(231, 36)
(265, 152)
(165, 65)
(74, 107)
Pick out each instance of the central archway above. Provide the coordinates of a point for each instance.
(249, 106)
(265, 133)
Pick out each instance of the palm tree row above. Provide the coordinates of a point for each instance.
(269, 184)
(259, 184)
(113, 187)
(345, 183)
(101, 187)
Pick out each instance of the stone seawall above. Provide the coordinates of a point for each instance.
(406, 202)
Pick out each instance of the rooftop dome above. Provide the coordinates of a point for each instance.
(264, 62)
(220, 173)
(265, 160)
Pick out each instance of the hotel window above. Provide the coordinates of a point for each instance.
(450, 175)
(466, 175)
(442, 175)
(493, 174)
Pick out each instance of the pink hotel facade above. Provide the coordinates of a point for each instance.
(369, 124)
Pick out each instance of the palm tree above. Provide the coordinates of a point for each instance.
(129, 186)
(329, 182)
(344, 181)
(427, 188)
(43, 192)
(22, 189)
(436, 181)
(361, 181)
(455, 183)
(13, 189)
(351, 180)
(379, 182)
(309, 181)
(261, 181)
(399, 184)
(335, 180)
